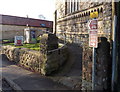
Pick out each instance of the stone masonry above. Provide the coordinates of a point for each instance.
(73, 25)
(55, 57)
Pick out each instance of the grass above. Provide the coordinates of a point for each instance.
(30, 46)
(6, 40)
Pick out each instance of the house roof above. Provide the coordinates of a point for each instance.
(22, 21)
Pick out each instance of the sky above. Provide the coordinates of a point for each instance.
(32, 8)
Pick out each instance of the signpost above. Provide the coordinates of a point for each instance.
(93, 42)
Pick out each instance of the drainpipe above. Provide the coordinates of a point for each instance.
(114, 62)
(55, 22)
(118, 46)
(117, 40)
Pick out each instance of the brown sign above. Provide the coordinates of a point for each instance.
(93, 24)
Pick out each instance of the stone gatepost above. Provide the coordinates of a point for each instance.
(48, 42)
(52, 54)
(87, 68)
(103, 65)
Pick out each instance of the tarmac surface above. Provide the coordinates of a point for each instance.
(26, 80)
(5, 86)
(71, 72)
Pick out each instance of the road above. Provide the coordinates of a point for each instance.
(5, 87)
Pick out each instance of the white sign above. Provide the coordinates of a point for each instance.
(93, 39)
(93, 33)
(18, 40)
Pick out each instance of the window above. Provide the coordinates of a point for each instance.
(72, 6)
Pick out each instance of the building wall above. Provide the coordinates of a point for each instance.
(75, 23)
(9, 31)
(74, 26)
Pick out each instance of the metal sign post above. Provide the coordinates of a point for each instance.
(93, 68)
(93, 42)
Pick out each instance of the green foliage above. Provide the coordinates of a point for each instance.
(30, 46)
(38, 38)
(8, 40)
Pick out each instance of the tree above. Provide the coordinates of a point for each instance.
(41, 16)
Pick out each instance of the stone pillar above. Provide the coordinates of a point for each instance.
(103, 65)
(48, 42)
(52, 42)
(87, 68)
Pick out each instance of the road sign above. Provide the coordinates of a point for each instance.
(93, 14)
(93, 39)
(93, 24)
(93, 33)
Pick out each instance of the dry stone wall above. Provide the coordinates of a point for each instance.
(55, 56)
(24, 57)
(55, 60)
(44, 63)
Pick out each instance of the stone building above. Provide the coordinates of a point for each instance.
(14, 26)
(72, 18)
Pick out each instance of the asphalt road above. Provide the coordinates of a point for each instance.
(5, 87)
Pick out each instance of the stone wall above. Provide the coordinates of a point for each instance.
(55, 60)
(87, 68)
(75, 24)
(102, 66)
(36, 61)
(75, 27)
(103, 69)
(55, 56)
(24, 57)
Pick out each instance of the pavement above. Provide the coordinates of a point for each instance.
(26, 80)
(70, 74)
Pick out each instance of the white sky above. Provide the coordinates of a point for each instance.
(32, 8)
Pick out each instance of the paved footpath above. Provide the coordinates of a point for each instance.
(25, 79)
(70, 74)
